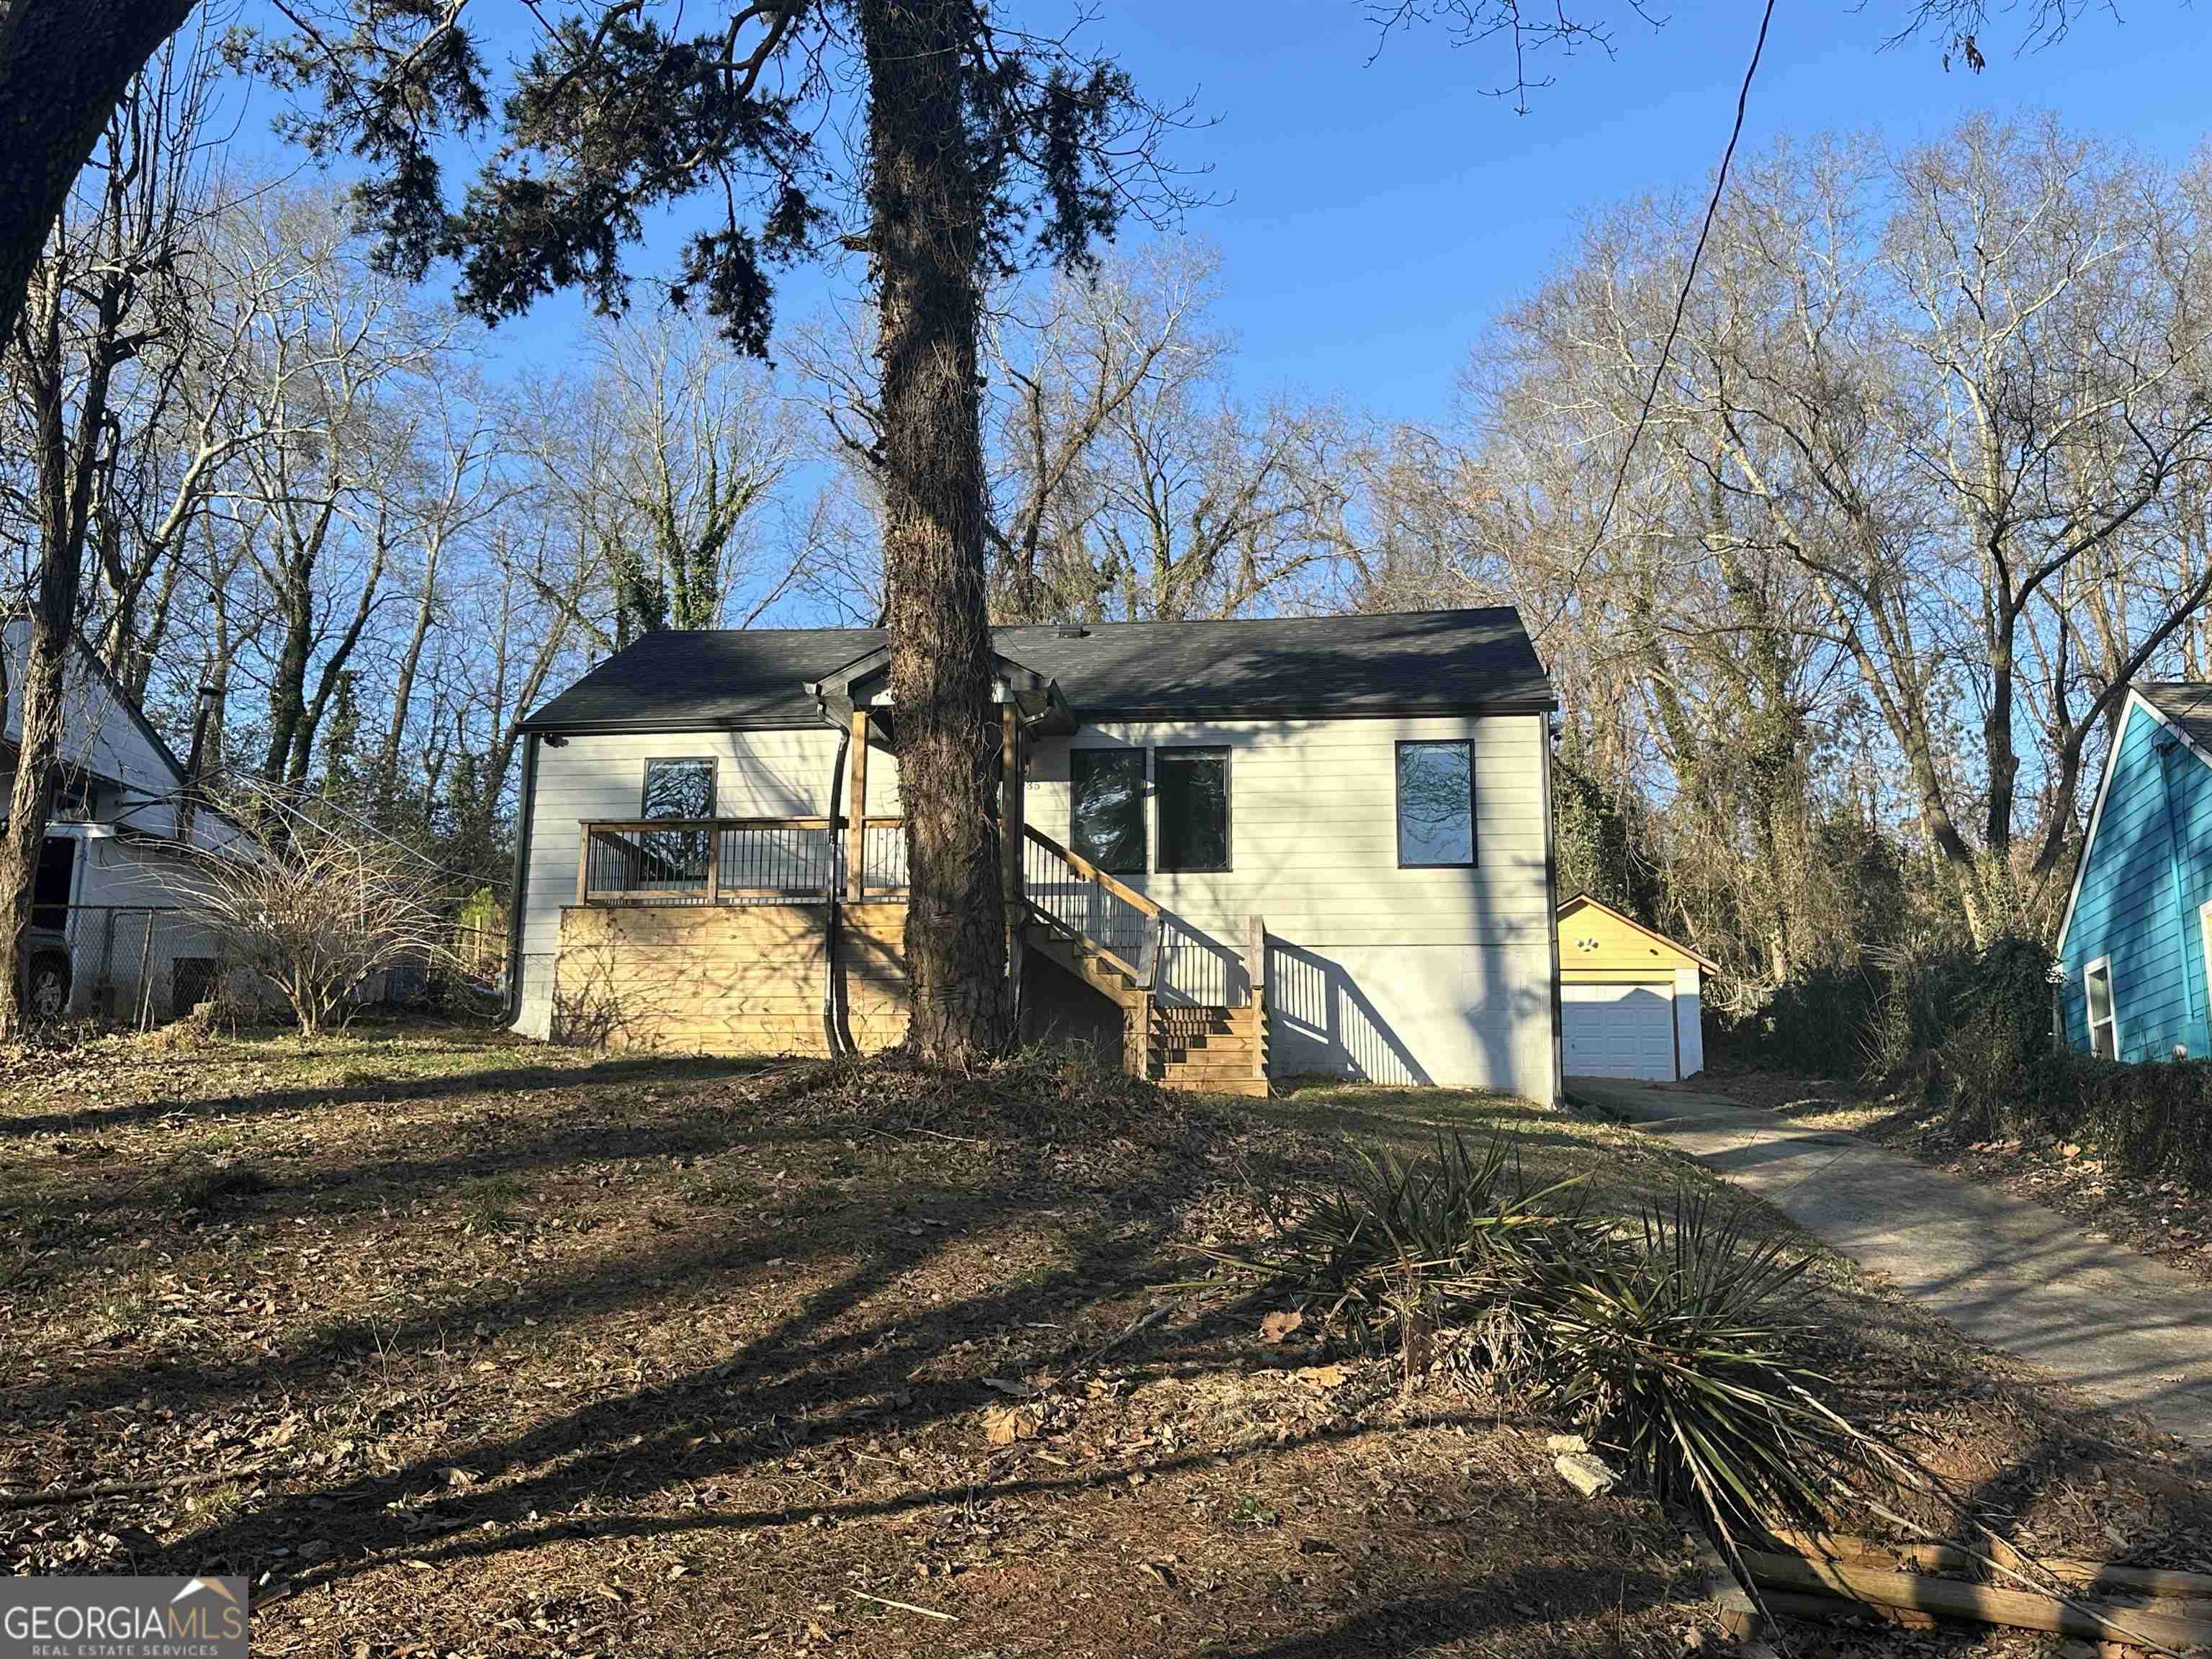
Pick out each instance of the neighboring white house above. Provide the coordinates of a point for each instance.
(1374, 789)
(107, 932)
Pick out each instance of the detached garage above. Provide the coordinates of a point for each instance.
(1630, 999)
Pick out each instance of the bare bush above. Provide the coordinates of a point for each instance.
(314, 904)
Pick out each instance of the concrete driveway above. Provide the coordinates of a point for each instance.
(2128, 1332)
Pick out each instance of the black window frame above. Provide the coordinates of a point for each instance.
(1085, 757)
(1473, 858)
(645, 785)
(1228, 812)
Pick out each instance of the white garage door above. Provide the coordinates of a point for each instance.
(1617, 1030)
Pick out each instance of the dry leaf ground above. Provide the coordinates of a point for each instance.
(460, 1346)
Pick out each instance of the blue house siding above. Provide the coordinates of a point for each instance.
(2137, 902)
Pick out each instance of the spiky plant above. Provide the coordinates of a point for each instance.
(1399, 1244)
(1680, 1352)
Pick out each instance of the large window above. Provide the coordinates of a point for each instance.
(2104, 1019)
(1190, 791)
(1108, 815)
(679, 789)
(676, 858)
(1436, 803)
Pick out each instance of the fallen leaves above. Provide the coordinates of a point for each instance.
(1280, 1326)
(1003, 1425)
(1322, 1378)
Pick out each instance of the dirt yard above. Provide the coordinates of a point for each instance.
(462, 1347)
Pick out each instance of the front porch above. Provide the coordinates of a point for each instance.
(785, 935)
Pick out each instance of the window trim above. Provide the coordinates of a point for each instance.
(2089, 1019)
(1144, 794)
(1473, 858)
(645, 785)
(2204, 952)
(1228, 809)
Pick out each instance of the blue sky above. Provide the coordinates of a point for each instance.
(1382, 214)
(1377, 213)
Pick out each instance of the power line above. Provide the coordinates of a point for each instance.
(1674, 328)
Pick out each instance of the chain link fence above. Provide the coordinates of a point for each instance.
(140, 966)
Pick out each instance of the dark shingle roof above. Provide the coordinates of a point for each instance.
(2187, 703)
(1409, 662)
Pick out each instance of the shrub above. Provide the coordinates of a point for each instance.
(1680, 1352)
(1675, 1345)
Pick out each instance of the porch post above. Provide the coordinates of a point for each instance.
(856, 833)
(1012, 764)
(1009, 799)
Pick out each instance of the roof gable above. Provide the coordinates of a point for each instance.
(2184, 708)
(1570, 907)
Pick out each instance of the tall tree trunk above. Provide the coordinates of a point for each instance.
(926, 206)
(63, 67)
(66, 477)
(287, 686)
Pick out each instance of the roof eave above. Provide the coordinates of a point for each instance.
(1088, 715)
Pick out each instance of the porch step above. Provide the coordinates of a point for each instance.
(1212, 1050)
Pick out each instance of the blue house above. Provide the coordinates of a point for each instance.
(2135, 945)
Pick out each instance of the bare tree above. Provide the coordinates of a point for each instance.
(107, 303)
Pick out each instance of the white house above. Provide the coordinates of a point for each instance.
(108, 935)
(1239, 849)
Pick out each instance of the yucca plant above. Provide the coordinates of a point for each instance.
(1679, 1352)
(1674, 1346)
(1406, 1241)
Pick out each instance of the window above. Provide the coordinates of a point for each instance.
(1190, 790)
(679, 789)
(1107, 817)
(2104, 1021)
(676, 860)
(1436, 803)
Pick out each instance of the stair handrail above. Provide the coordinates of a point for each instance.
(1090, 871)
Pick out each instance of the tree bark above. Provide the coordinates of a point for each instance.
(66, 479)
(928, 203)
(63, 67)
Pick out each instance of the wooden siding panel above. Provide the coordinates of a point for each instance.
(1427, 975)
(2128, 908)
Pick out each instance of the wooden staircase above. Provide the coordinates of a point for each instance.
(1222, 1051)
(1181, 1045)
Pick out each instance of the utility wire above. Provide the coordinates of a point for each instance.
(1674, 328)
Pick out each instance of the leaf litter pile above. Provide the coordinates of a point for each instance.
(461, 1347)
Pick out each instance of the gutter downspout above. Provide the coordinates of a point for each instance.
(518, 893)
(833, 1035)
(2192, 978)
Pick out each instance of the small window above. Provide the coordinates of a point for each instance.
(2104, 1022)
(1108, 812)
(1436, 803)
(679, 789)
(1190, 789)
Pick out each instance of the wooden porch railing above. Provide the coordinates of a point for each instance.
(734, 861)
